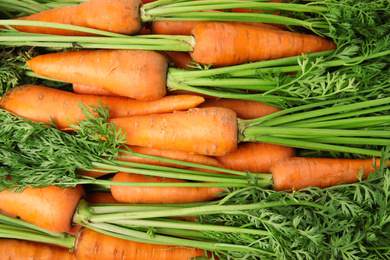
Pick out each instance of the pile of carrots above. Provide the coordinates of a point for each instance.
(158, 122)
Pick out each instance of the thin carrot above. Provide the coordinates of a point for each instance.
(245, 109)
(136, 74)
(207, 131)
(43, 104)
(22, 250)
(119, 16)
(91, 90)
(255, 157)
(223, 44)
(50, 207)
(94, 245)
(156, 195)
(300, 172)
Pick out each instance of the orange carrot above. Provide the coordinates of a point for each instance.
(255, 157)
(156, 195)
(300, 172)
(223, 44)
(245, 109)
(180, 60)
(50, 207)
(208, 131)
(100, 197)
(14, 249)
(43, 104)
(119, 16)
(93, 245)
(91, 90)
(136, 74)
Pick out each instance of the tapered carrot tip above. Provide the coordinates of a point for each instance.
(223, 44)
(300, 172)
(119, 16)
(94, 245)
(208, 131)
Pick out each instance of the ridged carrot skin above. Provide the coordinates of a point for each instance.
(119, 16)
(301, 172)
(13, 249)
(91, 90)
(223, 44)
(207, 131)
(255, 157)
(50, 207)
(159, 195)
(92, 245)
(137, 74)
(43, 104)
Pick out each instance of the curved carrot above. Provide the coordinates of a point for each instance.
(208, 131)
(255, 157)
(223, 44)
(300, 172)
(43, 104)
(119, 16)
(94, 245)
(245, 109)
(136, 74)
(22, 250)
(91, 90)
(155, 195)
(50, 207)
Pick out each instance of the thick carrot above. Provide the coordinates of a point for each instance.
(14, 249)
(300, 172)
(255, 157)
(245, 109)
(94, 245)
(223, 44)
(136, 74)
(208, 131)
(91, 90)
(154, 195)
(119, 16)
(50, 207)
(43, 104)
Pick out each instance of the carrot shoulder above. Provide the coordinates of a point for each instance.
(50, 207)
(223, 44)
(159, 195)
(208, 131)
(300, 172)
(119, 16)
(136, 74)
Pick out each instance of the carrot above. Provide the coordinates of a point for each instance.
(136, 74)
(94, 245)
(300, 172)
(14, 249)
(119, 16)
(156, 195)
(223, 44)
(50, 207)
(179, 59)
(91, 90)
(255, 157)
(43, 104)
(100, 197)
(207, 131)
(245, 109)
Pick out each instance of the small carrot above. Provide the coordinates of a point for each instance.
(100, 197)
(50, 207)
(156, 195)
(91, 90)
(208, 131)
(245, 109)
(43, 104)
(14, 249)
(300, 172)
(94, 245)
(255, 157)
(179, 59)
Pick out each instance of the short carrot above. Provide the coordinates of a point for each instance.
(22, 250)
(301, 172)
(94, 245)
(43, 104)
(50, 207)
(255, 157)
(154, 195)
